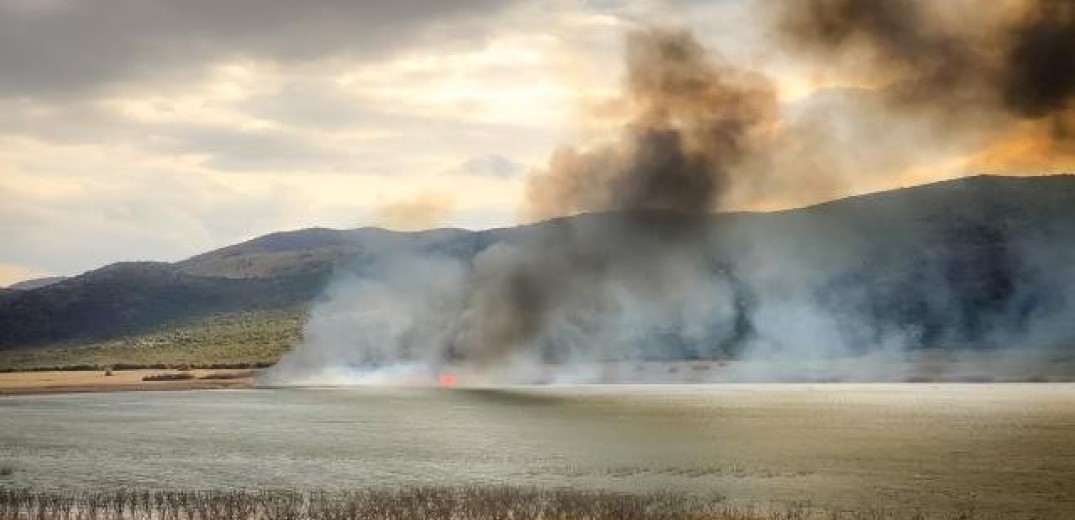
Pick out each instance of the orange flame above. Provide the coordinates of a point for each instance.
(447, 380)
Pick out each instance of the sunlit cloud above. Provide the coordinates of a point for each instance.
(125, 137)
(10, 273)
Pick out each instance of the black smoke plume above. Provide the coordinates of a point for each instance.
(693, 120)
(1040, 72)
(1021, 63)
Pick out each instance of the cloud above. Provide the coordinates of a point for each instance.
(65, 46)
(60, 221)
(73, 207)
(492, 165)
(237, 149)
(422, 211)
(10, 274)
(157, 128)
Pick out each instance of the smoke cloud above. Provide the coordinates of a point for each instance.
(1039, 78)
(592, 289)
(423, 211)
(648, 271)
(1016, 61)
(693, 121)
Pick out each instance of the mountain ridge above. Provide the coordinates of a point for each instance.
(967, 224)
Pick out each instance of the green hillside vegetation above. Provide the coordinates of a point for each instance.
(238, 264)
(243, 339)
(132, 299)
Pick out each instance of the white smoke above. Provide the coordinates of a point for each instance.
(387, 323)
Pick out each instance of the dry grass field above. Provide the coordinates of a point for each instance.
(39, 382)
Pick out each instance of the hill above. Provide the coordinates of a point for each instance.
(971, 262)
(231, 340)
(130, 298)
(312, 251)
(36, 283)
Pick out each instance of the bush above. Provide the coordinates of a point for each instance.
(171, 376)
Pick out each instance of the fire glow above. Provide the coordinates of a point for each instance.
(447, 380)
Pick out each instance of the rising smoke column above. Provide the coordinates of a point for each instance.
(597, 288)
(693, 120)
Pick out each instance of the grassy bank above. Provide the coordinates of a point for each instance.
(230, 341)
(418, 503)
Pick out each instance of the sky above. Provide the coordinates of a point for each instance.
(159, 129)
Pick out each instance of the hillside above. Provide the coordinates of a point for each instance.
(6, 294)
(236, 339)
(972, 262)
(130, 298)
(312, 251)
(37, 283)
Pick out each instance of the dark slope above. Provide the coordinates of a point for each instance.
(7, 294)
(965, 262)
(314, 250)
(976, 262)
(36, 283)
(128, 298)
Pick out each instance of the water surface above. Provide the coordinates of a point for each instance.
(998, 447)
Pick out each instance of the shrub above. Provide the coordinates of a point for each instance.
(171, 376)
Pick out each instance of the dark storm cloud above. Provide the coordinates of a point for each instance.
(62, 46)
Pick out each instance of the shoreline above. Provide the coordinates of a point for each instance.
(70, 382)
(41, 382)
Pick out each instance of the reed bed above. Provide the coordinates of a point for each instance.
(418, 503)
